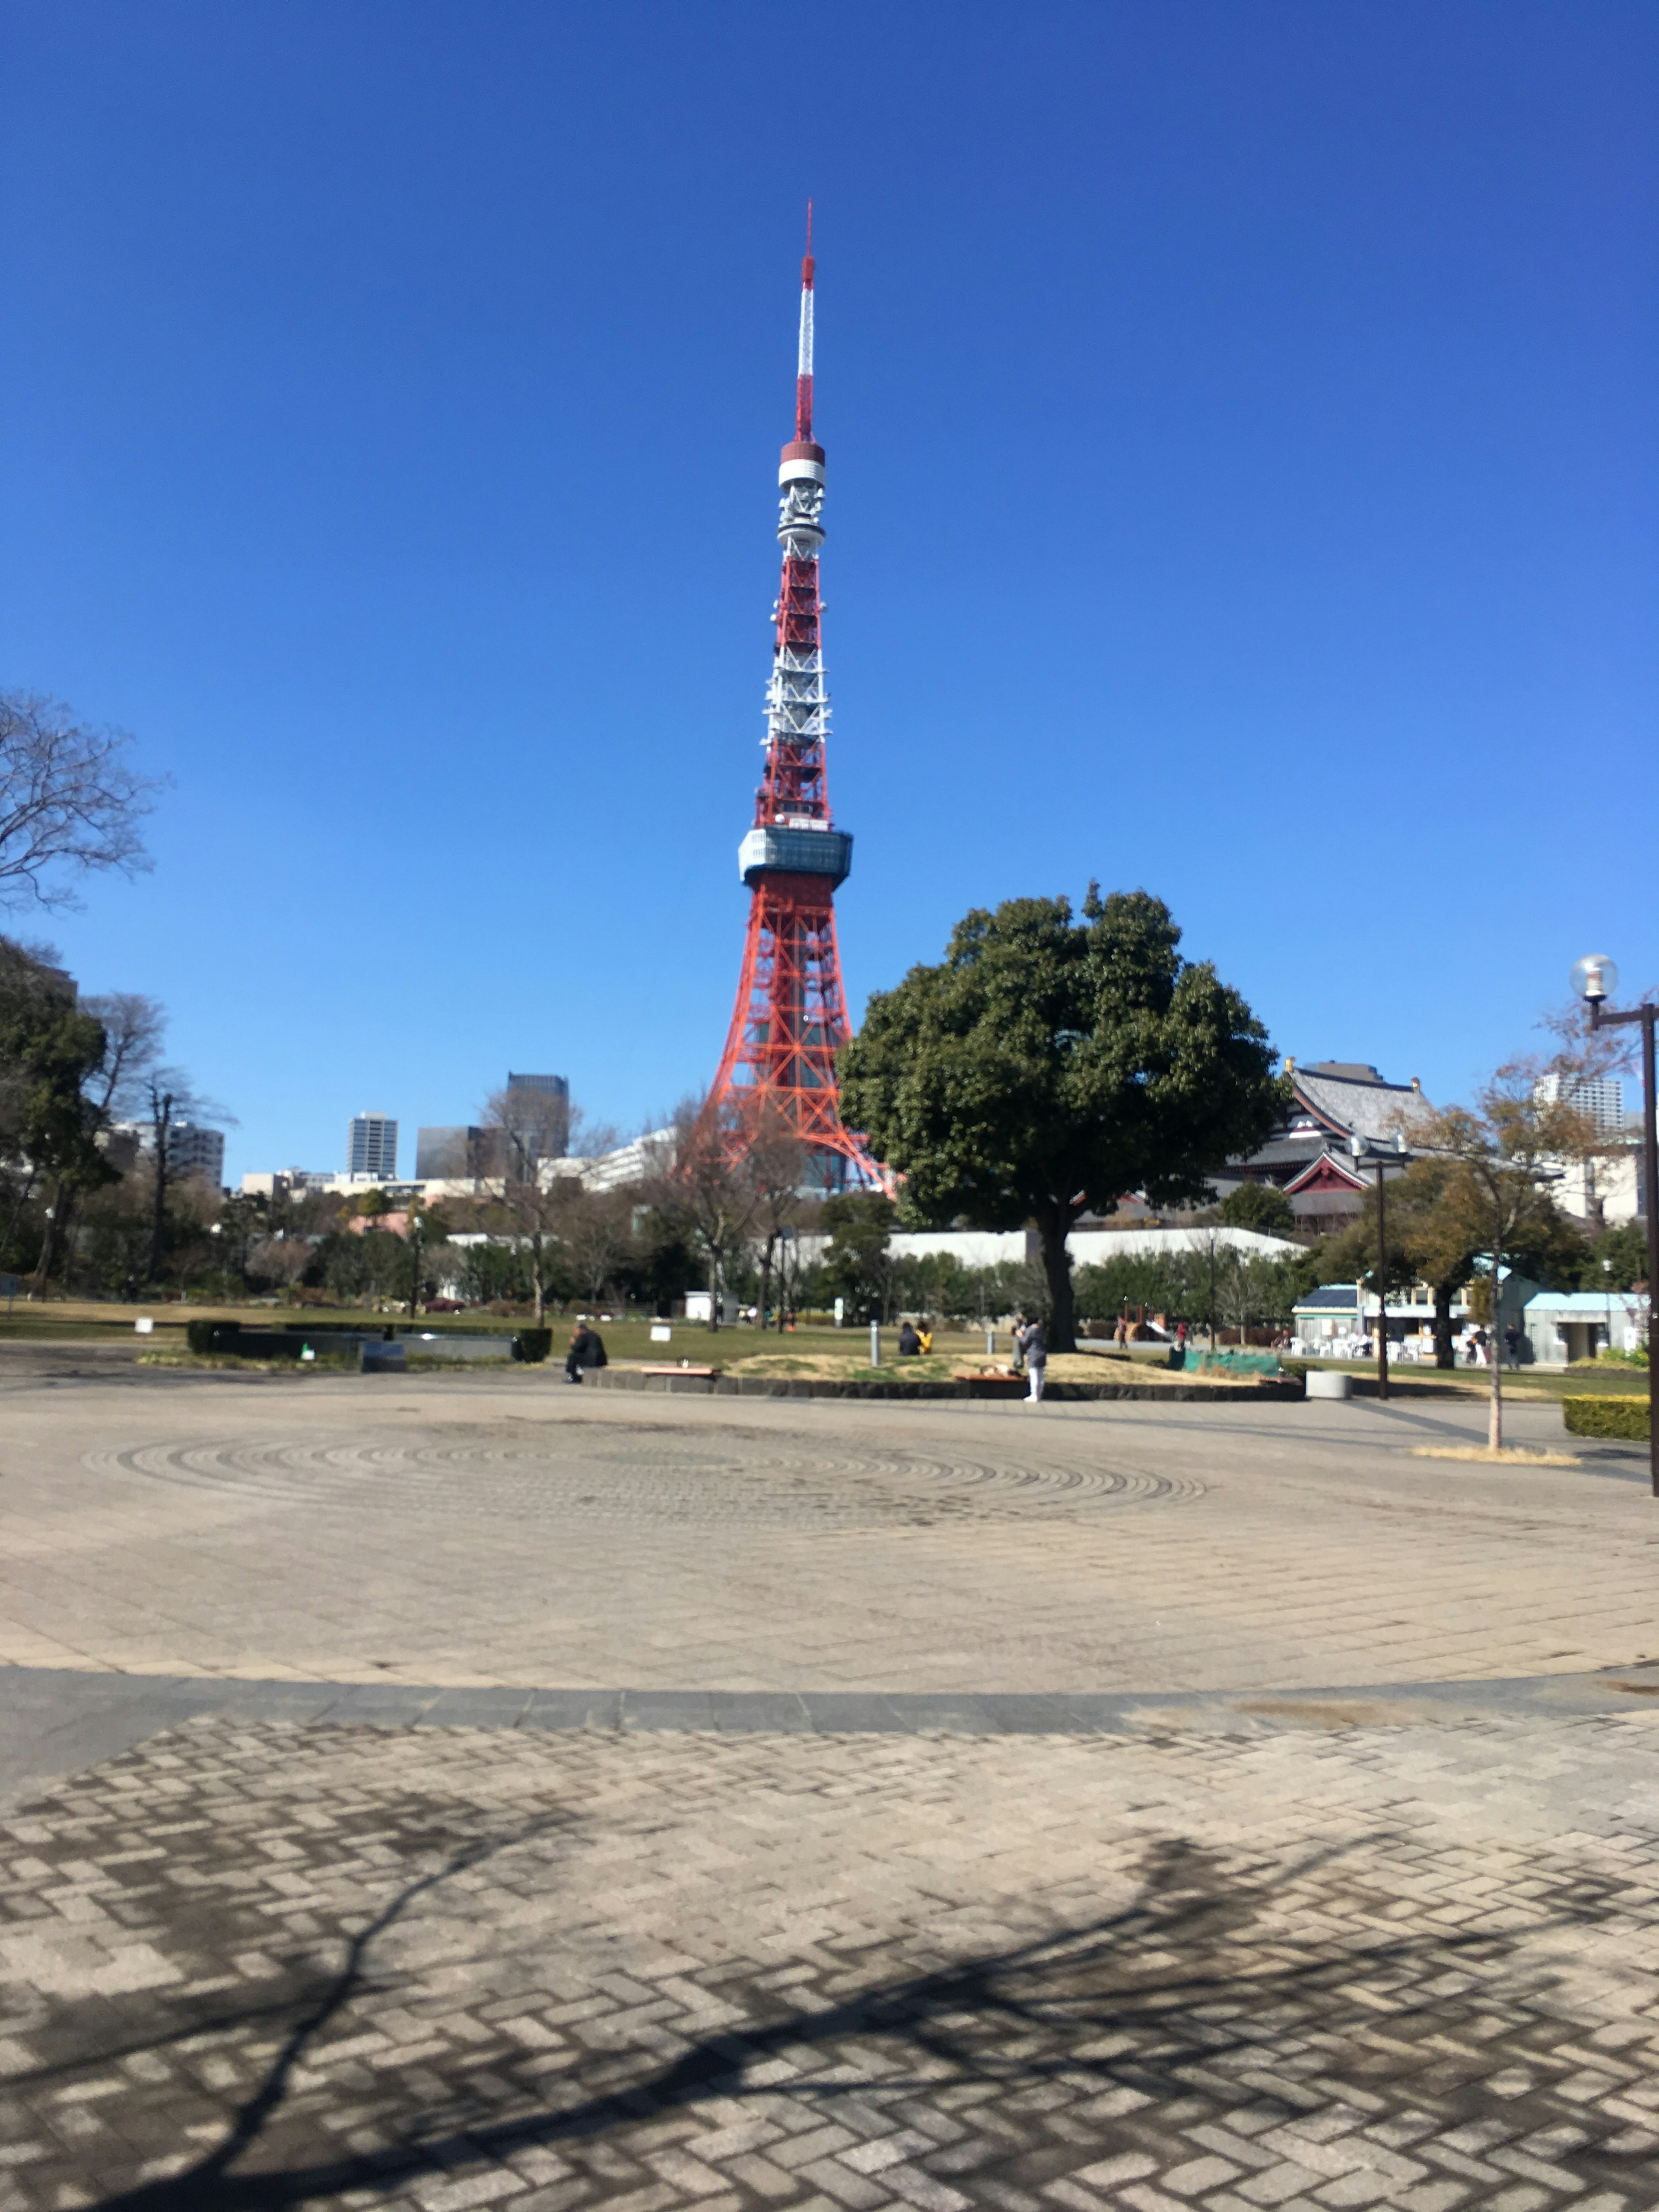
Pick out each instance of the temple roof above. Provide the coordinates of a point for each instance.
(1349, 1097)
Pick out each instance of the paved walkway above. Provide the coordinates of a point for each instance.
(474, 1793)
(519, 1533)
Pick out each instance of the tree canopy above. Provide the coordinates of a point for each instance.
(1259, 1205)
(1047, 1066)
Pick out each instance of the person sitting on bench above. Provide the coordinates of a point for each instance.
(586, 1350)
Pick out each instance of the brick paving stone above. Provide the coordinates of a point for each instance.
(1200, 1970)
(1271, 1946)
(526, 1535)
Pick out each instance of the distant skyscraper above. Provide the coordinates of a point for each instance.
(547, 1086)
(372, 1146)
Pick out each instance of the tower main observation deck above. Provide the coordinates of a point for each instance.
(790, 1018)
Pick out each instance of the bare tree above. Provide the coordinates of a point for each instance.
(776, 1163)
(1583, 1056)
(1499, 1160)
(68, 800)
(133, 1028)
(709, 1189)
(280, 1260)
(597, 1232)
(169, 1100)
(532, 1181)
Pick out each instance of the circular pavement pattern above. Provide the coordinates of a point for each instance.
(641, 1474)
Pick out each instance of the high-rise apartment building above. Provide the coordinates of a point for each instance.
(195, 1151)
(192, 1149)
(1599, 1099)
(372, 1146)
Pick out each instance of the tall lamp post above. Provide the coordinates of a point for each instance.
(1359, 1147)
(1595, 979)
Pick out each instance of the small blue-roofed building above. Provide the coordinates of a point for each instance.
(1562, 1326)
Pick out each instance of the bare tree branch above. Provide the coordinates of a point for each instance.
(133, 1027)
(68, 798)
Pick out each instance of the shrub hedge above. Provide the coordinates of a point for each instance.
(1606, 1416)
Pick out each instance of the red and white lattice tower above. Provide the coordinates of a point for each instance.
(790, 1017)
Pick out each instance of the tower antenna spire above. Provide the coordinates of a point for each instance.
(777, 1074)
(804, 365)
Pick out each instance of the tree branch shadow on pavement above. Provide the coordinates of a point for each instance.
(1147, 1999)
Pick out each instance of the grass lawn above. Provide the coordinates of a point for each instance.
(1552, 1383)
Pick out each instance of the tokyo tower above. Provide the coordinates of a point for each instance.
(790, 1016)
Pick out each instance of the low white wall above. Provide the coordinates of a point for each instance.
(985, 1248)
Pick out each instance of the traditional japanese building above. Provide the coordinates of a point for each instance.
(1311, 1156)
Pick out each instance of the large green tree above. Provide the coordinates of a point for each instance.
(858, 1262)
(1048, 1066)
(50, 1050)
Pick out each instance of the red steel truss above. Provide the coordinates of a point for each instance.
(790, 1018)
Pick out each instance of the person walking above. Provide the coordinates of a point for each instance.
(586, 1350)
(1033, 1341)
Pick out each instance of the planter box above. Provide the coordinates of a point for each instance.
(965, 1387)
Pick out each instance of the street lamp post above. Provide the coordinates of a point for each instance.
(1358, 1146)
(1595, 979)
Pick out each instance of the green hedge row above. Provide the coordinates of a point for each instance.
(205, 1336)
(1607, 1417)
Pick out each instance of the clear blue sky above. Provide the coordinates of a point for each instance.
(1242, 432)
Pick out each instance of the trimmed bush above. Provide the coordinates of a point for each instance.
(199, 1335)
(533, 1344)
(1607, 1416)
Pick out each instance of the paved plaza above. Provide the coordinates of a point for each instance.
(478, 1791)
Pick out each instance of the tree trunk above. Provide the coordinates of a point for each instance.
(1057, 1272)
(161, 1120)
(1444, 1354)
(50, 1238)
(537, 1272)
(158, 1233)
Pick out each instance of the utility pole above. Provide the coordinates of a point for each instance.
(1382, 1285)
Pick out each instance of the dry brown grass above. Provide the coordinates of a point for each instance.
(1510, 1456)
